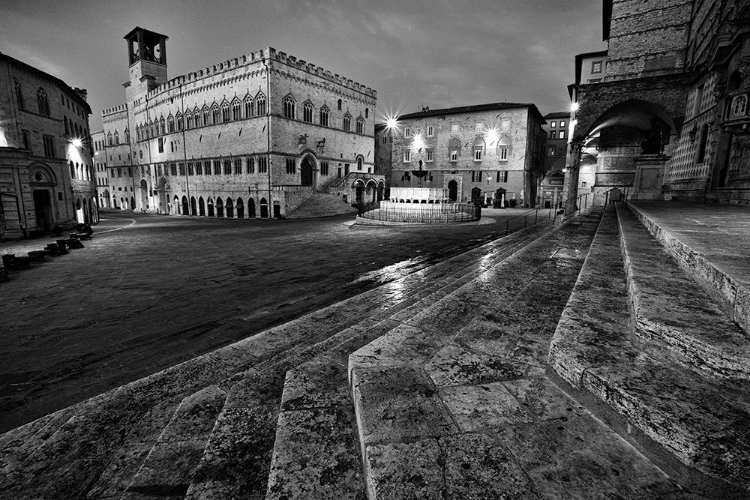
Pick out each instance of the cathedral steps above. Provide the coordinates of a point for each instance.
(98, 445)
(454, 403)
(670, 308)
(691, 420)
(239, 456)
(321, 205)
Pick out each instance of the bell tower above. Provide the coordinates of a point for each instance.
(147, 59)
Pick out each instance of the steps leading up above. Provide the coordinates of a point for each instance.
(321, 205)
(668, 306)
(691, 422)
(237, 461)
(455, 403)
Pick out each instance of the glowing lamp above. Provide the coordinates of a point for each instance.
(391, 123)
(77, 143)
(574, 106)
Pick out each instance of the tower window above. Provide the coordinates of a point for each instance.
(308, 112)
(289, 107)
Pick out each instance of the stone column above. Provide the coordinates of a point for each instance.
(571, 178)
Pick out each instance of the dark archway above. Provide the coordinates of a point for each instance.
(219, 207)
(230, 208)
(192, 205)
(185, 209)
(43, 209)
(453, 191)
(263, 208)
(240, 208)
(210, 207)
(306, 171)
(201, 206)
(143, 189)
(251, 208)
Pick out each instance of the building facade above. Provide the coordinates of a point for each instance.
(46, 168)
(100, 170)
(668, 117)
(557, 128)
(254, 136)
(489, 151)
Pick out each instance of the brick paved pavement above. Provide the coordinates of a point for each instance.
(151, 291)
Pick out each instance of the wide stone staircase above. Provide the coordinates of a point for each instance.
(321, 205)
(513, 370)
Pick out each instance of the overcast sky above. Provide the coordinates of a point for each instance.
(436, 53)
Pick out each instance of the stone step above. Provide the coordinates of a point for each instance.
(722, 273)
(669, 307)
(316, 453)
(170, 464)
(237, 459)
(454, 403)
(693, 425)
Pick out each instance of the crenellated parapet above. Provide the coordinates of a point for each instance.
(121, 109)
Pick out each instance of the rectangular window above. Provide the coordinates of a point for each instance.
(407, 132)
(407, 156)
(173, 169)
(227, 167)
(503, 153)
(339, 172)
(429, 155)
(551, 151)
(198, 168)
(250, 165)
(454, 128)
(596, 66)
(323, 168)
(502, 176)
(430, 132)
(561, 135)
(406, 177)
(562, 123)
(454, 155)
(553, 124)
(479, 127)
(262, 165)
(478, 154)
(290, 166)
(346, 169)
(504, 125)
(237, 166)
(161, 144)
(190, 168)
(553, 134)
(385, 139)
(119, 171)
(26, 139)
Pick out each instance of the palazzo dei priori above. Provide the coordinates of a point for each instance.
(255, 136)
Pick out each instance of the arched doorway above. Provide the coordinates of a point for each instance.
(230, 208)
(306, 171)
(144, 194)
(175, 207)
(201, 206)
(453, 191)
(185, 209)
(240, 209)
(192, 205)
(251, 208)
(359, 191)
(43, 185)
(263, 208)
(219, 207)
(210, 207)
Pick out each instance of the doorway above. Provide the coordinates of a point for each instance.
(43, 209)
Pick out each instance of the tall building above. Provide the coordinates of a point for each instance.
(100, 170)
(667, 116)
(489, 151)
(254, 136)
(557, 128)
(46, 170)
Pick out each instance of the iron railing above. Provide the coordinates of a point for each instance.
(419, 213)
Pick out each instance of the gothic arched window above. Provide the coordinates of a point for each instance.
(260, 104)
(289, 107)
(307, 112)
(19, 95)
(346, 125)
(324, 116)
(42, 102)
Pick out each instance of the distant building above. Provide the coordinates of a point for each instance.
(254, 136)
(46, 169)
(100, 168)
(557, 128)
(667, 117)
(490, 151)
